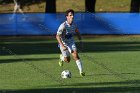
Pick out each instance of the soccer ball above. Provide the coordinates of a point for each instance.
(66, 74)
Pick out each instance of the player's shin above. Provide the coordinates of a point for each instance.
(79, 65)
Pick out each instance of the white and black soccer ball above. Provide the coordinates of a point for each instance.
(66, 74)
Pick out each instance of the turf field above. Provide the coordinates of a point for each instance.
(30, 65)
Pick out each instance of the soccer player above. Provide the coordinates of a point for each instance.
(66, 41)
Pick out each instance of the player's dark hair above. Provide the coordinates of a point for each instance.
(68, 11)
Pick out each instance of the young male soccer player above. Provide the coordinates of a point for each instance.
(66, 41)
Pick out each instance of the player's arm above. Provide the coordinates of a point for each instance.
(60, 41)
(58, 36)
(78, 35)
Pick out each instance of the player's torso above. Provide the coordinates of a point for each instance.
(68, 32)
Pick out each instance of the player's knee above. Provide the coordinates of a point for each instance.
(67, 59)
(75, 56)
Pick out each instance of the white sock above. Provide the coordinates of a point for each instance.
(79, 64)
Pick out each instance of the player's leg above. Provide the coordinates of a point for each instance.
(64, 57)
(77, 59)
(78, 62)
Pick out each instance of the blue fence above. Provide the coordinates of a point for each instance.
(88, 23)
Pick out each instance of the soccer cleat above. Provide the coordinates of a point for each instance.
(82, 74)
(60, 61)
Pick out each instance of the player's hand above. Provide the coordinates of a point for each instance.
(64, 48)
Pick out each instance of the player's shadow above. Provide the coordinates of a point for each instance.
(104, 87)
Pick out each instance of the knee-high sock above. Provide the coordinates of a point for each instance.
(79, 64)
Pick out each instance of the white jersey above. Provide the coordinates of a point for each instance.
(66, 32)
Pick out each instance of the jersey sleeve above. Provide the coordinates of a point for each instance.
(60, 29)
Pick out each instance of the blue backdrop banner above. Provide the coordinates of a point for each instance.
(88, 23)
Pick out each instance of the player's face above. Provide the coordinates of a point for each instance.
(70, 17)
